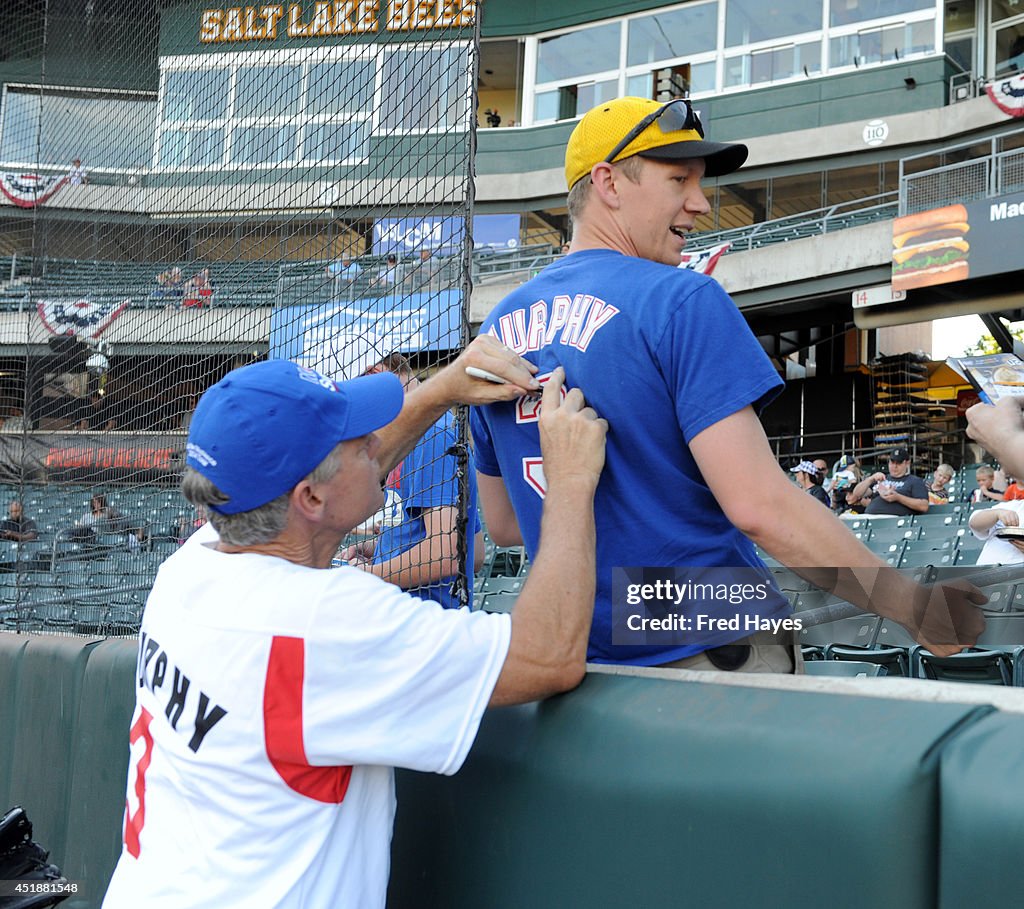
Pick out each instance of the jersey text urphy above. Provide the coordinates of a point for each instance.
(152, 674)
(572, 321)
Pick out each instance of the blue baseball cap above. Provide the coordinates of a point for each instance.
(262, 428)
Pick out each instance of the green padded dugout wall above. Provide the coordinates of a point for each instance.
(982, 804)
(45, 720)
(96, 807)
(644, 792)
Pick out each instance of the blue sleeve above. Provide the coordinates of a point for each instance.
(431, 480)
(712, 361)
(483, 446)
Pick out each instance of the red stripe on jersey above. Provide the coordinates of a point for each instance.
(133, 823)
(282, 726)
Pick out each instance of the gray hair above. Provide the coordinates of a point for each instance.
(258, 525)
(579, 195)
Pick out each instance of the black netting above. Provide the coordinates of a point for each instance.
(187, 189)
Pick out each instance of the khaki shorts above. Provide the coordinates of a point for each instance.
(767, 653)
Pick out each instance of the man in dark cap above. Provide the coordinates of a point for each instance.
(898, 493)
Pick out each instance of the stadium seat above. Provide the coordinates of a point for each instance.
(937, 557)
(498, 602)
(1000, 597)
(501, 584)
(891, 531)
(893, 660)
(977, 665)
(846, 669)
(858, 629)
(931, 521)
(930, 544)
(891, 634)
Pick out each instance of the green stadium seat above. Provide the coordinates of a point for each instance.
(894, 660)
(498, 602)
(937, 557)
(975, 664)
(858, 629)
(844, 669)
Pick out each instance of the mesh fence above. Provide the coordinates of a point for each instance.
(185, 190)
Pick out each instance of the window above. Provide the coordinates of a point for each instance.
(578, 53)
(847, 12)
(265, 144)
(889, 42)
(1009, 50)
(773, 64)
(191, 147)
(36, 127)
(340, 87)
(194, 95)
(332, 142)
(748, 21)
(268, 91)
(671, 34)
(431, 89)
(263, 108)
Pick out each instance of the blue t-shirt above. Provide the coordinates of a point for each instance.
(662, 353)
(428, 478)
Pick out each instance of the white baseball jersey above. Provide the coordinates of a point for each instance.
(272, 702)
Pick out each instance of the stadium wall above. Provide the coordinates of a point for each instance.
(632, 790)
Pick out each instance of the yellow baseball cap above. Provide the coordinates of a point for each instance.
(607, 125)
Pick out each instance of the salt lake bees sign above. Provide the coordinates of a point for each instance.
(267, 22)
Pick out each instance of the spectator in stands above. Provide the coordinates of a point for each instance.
(15, 421)
(938, 489)
(185, 525)
(691, 478)
(100, 518)
(420, 552)
(986, 523)
(198, 290)
(77, 175)
(898, 493)
(170, 283)
(345, 268)
(98, 416)
(16, 527)
(1014, 490)
(1000, 428)
(986, 490)
(493, 117)
(427, 273)
(388, 275)
(808, 478)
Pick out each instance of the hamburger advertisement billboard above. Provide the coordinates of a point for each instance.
(956, 242)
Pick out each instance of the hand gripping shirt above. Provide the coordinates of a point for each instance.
(662, 353)
(273, 701)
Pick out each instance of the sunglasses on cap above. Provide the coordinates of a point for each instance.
(676, 115)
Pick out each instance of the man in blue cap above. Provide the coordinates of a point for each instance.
(275, 696)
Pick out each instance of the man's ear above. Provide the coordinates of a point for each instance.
(306, 500)
(605, 178)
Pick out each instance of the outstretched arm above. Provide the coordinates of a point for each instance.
(799, 533)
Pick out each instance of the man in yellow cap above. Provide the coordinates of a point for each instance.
(664, 354)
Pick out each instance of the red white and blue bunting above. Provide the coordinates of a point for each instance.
(30, 190)
(704, 261)
(1008, 94)
(83, 318)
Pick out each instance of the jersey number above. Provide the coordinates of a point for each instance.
(528, 411)
(133, 822)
